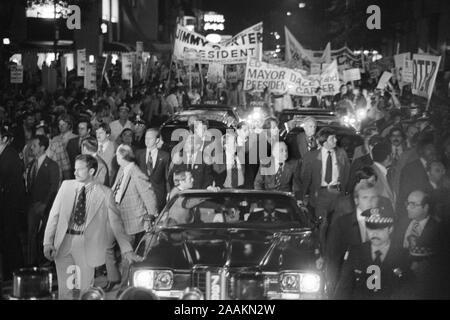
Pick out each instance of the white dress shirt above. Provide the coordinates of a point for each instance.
(229, 165)
(126, 173)
(103, 146)
(361, 224)
(335, 176)
(409, 231)
(154, 154)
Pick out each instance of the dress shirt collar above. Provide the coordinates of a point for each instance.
(40, 160)
(422, 224)
(424, 163)
(434, 185)
(153, 152)
(359, 216)
(325, 151)
(384, 250)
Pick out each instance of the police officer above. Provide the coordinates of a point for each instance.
(376, 269)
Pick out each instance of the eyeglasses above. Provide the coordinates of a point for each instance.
(413, 204)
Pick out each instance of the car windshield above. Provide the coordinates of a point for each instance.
(205, 114)
(236, 208)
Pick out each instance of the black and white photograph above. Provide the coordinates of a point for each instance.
(240, 152)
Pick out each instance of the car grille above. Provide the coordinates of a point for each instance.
(199, 280)
(234, 284)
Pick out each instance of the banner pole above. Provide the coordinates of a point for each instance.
(201, 77)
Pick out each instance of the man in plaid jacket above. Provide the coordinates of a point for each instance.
(135, 197)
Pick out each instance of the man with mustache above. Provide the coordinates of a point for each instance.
(376, 269)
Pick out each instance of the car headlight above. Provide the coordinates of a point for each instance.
(300, 282)
(309, 282)
(153, 279)
(361, 114)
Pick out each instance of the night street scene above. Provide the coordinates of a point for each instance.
(225, 150)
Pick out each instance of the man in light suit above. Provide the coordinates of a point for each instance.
(107, 149)
(382, 158)
(89, 146)
(134, 195)
(76, 233)
(324, 175)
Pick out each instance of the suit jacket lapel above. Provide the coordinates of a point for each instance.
(340, 164)
(127, 182)
(318, 167)
(69, 201)
(42, 169)
(355, 226)
(92, 207)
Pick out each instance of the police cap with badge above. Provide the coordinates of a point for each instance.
(378, 218)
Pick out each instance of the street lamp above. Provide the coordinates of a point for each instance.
(6, 41)
(301, 5)
(288, 13)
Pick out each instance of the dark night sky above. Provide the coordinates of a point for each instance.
(240, 14)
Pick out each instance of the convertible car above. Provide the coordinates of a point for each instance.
(230, 245)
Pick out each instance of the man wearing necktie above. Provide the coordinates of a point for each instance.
(397, 139)
(376, 269)
(155, 163)
(43, 180)
(76, 232)
(324, 175)
(280, 174)
(231, 173)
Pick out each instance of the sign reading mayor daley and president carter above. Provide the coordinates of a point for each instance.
(247, 44)
(260, 75)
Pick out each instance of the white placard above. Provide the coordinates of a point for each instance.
(81, 62)
(17, 74)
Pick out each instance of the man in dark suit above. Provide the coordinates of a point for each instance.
(42, 184)
(349, 230)
(89, 146)
(375, 269)
(324, 176)
(107, 150)
(268, 214)
(280, 174)
(414, 175)
(422, 229)
(155, 163)
(193, 158)
(74, 144)
(230, 170)
(247, 144)
(12, 192)
(427, 242)
(24, 131)
(361, 162)
(306, 141)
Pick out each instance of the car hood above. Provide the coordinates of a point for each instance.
(259, 248)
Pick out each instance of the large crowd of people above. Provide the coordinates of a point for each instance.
(82, 171)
